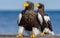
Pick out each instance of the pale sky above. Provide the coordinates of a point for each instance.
(18, 4)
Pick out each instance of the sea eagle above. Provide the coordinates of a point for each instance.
(28, 20)
(46, 27)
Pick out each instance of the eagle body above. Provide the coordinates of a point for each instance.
(46, 25)
(29, 20)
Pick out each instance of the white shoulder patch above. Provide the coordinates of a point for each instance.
(19, 18)
(40, 18)
(46, 18)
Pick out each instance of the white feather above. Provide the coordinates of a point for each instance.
(40, 18)
(19, 18)
(46, 18)
(20, 29)
(36, 31)
(47, 30)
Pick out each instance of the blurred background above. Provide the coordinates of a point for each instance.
(10, 9)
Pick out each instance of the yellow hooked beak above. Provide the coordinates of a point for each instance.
(25, 4)
(37, 5)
